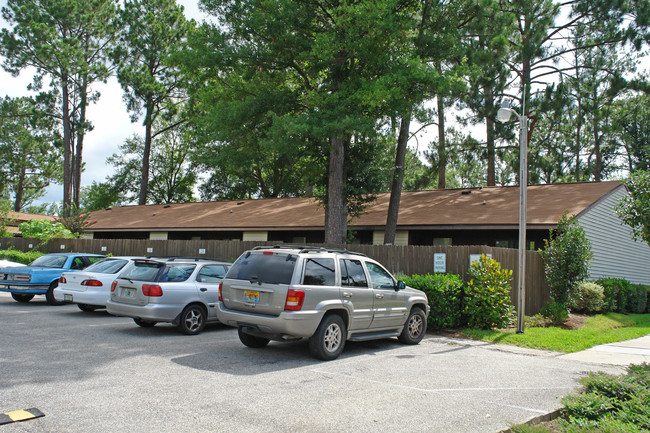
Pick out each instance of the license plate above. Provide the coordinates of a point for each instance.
(250, 296)
(128, 293)
(67, 298)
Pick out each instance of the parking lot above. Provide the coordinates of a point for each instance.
(94, 372)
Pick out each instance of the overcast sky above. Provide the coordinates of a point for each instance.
(109, 117)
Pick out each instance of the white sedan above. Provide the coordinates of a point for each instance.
(9, 264)
(91, 288)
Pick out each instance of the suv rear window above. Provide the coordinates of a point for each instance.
(265, 268)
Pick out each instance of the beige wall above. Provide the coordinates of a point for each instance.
(256, 236)
(401, 237)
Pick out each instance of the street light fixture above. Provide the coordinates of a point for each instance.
(503, 115)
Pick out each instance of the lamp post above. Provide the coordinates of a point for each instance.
(503, 115)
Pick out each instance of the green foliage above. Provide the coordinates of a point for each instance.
(20, 256)
(634, 209)
(172, 174)
(567, 254)
(590, 298)
(487, 298)
(5, 219)
(537, 321)
(44, 230)
(622, 296)
(29, 148)
(445, 294)
(76, 220)
(612, 403)
(556, 312)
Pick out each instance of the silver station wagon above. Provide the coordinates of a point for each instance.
(326, 295)
(179, 291)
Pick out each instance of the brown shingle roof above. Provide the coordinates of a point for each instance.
(441, 208)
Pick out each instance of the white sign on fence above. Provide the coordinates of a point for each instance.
(476, 257)
(440, 262)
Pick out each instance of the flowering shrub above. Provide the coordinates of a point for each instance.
(487, 297)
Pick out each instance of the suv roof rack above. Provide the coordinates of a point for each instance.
(307, 249)
(198, 259)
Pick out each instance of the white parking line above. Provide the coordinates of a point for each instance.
(435, 390)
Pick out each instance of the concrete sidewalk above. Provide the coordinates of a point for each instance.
(623, 353)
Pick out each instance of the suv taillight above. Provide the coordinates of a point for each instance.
(151, 290)
(93, 283)
(295, 299)
(113, 286)
(220, 285)
(62, 279)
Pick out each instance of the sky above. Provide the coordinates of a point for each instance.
(109, 116)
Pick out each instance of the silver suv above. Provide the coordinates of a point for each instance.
(329, 296)
(179, 291)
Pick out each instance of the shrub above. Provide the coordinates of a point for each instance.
(590, 298)
(621, 296)
(556, 312)
(537, 321)
(445, 293)
(19, 256)
(584, 409)
(487, 298)
(44, 229)
(566, 255)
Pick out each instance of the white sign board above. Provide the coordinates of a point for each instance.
(440, 262)
(201, 250)
(476, 257)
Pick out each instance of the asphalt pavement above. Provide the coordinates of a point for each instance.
(95, 372)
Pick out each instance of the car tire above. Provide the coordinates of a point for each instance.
(144, 323)
(328, 341)
(49, 295)
(414, 328)
(192, 320)
(252, 340)
(87, 308)
(22, 298)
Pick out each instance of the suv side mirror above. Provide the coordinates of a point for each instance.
(401, 285)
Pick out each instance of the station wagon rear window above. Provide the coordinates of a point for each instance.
(107, 266)
(265, 268)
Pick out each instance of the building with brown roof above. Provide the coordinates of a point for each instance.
(16, 218)
(470, 216)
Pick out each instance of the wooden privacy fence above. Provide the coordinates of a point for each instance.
(403, 259)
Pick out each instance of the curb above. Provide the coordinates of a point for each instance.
(538, 419)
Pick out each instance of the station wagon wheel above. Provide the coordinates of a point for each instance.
(414, 328)
(22, 298)
(252, 340)
(144, 323)
(192, 320)
(328, 341)
(49, 295)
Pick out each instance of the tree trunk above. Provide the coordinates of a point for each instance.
(81, 131)
(144, 182)
(67, 145)
(442, 146)
(489, 133)
(335, 212)
(398, 179)
(20, 190)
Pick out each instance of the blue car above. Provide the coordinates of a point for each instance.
(42, 275)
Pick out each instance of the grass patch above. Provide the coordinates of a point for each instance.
(599, 329)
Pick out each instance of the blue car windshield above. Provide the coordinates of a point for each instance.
(49, 261)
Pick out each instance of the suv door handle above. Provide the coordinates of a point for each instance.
(203, 289)
(379, 296)
(347, 294)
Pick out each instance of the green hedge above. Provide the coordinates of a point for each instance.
(621, 296)
(445, 294)
(19, 256)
